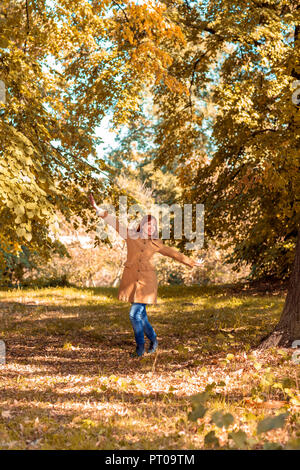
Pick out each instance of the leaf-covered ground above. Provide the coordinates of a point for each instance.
(69, 383)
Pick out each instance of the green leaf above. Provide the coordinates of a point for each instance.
(222, 420)
(210, 387)
(272, 446)
(211, 439)
(200, 398)
(270, 423)
(196, 413)
(239, 438)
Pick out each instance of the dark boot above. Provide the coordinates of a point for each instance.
(140, 349)
(153, 346)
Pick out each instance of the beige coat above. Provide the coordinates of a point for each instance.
(139, 281)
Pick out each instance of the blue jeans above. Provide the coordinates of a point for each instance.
(140, 324)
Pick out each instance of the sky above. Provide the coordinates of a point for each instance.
(107, 135)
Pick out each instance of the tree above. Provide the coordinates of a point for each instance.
(65, 64)
(288, 328)
(229, 141)
(242, 58)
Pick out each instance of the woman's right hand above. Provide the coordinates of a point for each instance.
(99, 211)
(92, 201)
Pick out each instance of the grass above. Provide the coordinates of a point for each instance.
(69, 383)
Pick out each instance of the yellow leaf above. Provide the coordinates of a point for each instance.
(19, 210)
(28, 236)
(21, 232)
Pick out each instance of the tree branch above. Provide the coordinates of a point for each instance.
(27, 25)
(122, 10)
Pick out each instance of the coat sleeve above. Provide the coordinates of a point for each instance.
(175, 254)
(116, 224)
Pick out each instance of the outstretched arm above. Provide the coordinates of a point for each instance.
(178, 256)
(110, 219)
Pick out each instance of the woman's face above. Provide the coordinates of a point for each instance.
(148, 228)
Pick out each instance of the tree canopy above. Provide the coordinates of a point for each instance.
(220, 76)
(65, 65)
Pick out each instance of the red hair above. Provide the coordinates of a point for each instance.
(145, 220)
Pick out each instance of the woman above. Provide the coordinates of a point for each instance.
(139, 283)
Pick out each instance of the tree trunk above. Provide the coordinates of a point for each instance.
(288, 328)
